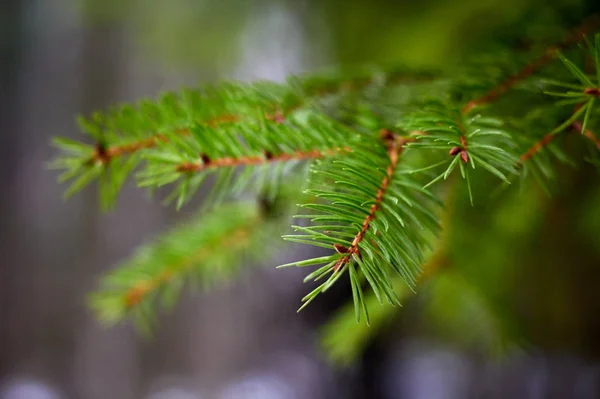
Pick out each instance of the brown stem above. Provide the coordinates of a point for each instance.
(576, 36)
(115, 151)
(278, 116)
(142, 288)
(578, 126)
(537, 147)
(395, 149)
(104, 155)
(207, 163)
(547, 139)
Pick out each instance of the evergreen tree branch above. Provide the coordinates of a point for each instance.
(207, 163)
(578, 126)
(342, 347)
(589, 25)
(303, 136)
(105, 155)
(537, 147)
(549, 137)
(234, 240)
(275, 114)
(471, 141)
(363, 222)
(311, 89)
(373, 209)
(208, 248)
(395, 147)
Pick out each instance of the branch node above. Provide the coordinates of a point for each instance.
(205, 159)
(341, 249)
(101, 155)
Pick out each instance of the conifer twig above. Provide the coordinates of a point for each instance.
(578, 126)
(395, 145)
(537, 147)
(549, 137)
(142, 288)
(104, 155)
(533, 66)
(207, 163)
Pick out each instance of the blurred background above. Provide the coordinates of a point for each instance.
(532, 261)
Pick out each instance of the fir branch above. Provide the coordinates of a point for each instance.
(207, 163)
(208, 248)
(372, 211)
(171, 124)
(476, 140)
(310, 87)
(304, 136)
(234, 240)
(578, 126)
(377, 221)
(344, 348)
(537, 147)
(395, 147)
(105, 155)
(549, 137)
(589, 25)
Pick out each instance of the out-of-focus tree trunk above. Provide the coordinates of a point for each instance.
(11, 37)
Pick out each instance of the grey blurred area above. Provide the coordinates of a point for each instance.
(243, 339)
(56, 64)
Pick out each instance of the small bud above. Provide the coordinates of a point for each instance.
(276, 117)
(464, 156)
(455, 150)
(592, 91)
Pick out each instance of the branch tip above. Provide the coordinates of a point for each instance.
(533, 66)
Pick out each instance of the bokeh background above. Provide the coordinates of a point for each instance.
(533, 261)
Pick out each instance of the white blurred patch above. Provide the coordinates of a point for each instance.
(259, 386)
(424, 372)
(174, 393)
(284, 375)
(271, 45)
(27, 389)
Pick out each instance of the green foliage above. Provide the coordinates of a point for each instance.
(375, 142)
(206, 250)
(584, 94)
(392, 222)
(472, 141)
(229, 120)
